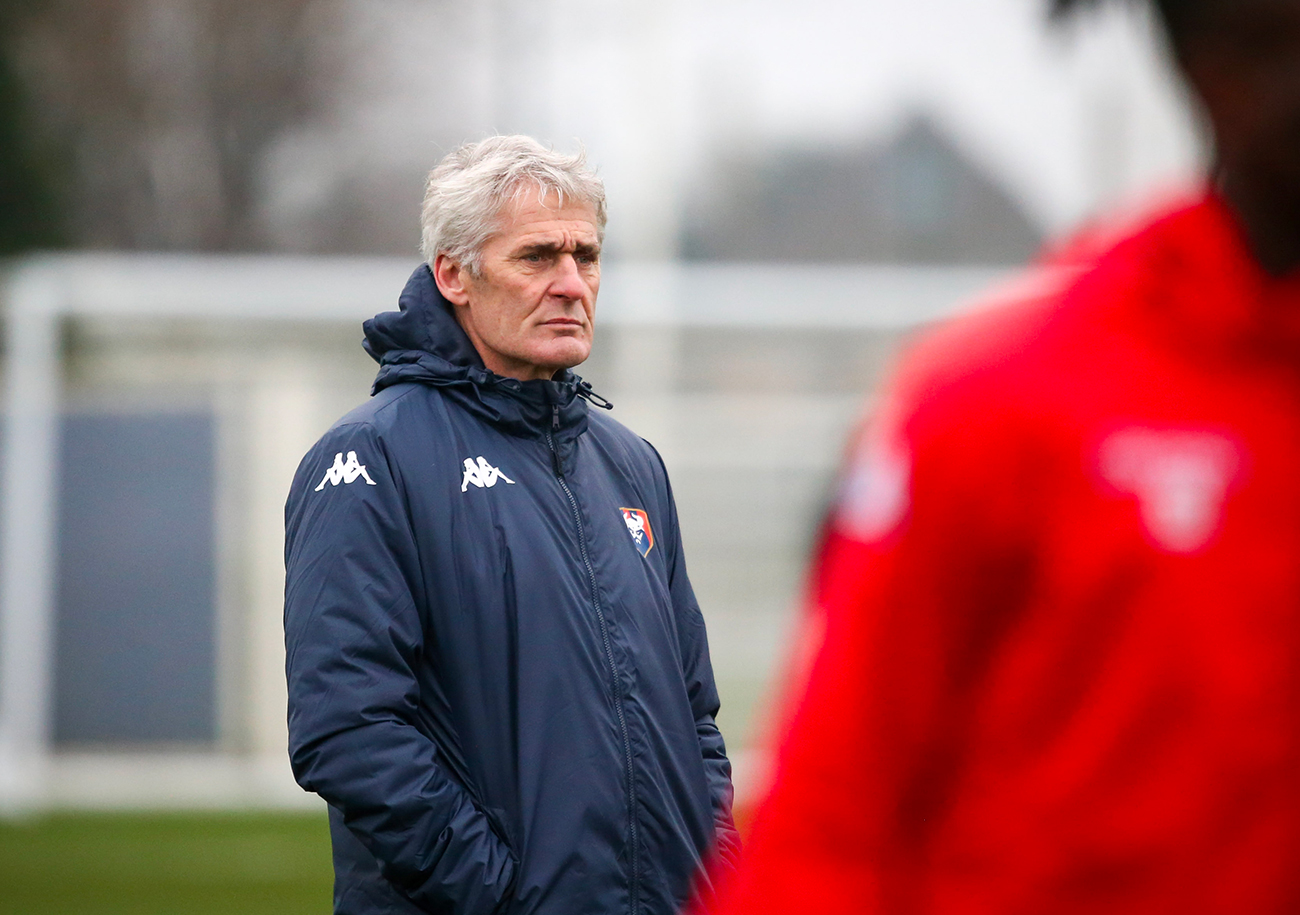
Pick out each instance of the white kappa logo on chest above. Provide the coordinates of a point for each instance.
(481, 474)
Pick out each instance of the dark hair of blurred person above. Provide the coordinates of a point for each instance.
(1057, 601)
(1242, 61)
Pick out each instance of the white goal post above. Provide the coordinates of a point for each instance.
(41, 295)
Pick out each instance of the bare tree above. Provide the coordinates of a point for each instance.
(30, 211)
(168, 108)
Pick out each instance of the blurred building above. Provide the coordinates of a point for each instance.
(913, 200)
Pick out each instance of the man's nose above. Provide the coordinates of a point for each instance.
(568, 282)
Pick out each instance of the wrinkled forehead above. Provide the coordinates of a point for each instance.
(537, 212)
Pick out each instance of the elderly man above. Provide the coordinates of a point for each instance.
(500, 686)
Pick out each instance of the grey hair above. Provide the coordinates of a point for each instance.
(468, 189)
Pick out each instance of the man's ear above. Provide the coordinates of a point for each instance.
(450, 277)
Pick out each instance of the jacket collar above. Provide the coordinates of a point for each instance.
(422, 342)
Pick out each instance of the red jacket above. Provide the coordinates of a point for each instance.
(1061, 598)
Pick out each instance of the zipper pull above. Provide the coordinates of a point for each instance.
(555, 416)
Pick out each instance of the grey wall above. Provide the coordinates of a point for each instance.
(135, 631)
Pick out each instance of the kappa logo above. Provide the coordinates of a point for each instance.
(638, 525)
(481, 474)
(1180, 478)
(345, 472)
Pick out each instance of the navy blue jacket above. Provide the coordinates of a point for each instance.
(502, 691)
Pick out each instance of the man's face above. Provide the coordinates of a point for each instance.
(530, 312)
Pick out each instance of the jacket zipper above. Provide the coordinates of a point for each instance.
(609, 656)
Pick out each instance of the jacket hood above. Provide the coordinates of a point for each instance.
(422, 342)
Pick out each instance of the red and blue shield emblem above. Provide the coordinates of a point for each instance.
(638, 525)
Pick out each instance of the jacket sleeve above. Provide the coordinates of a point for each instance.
(353, 642)
(703, 694)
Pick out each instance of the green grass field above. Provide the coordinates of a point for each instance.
(166, 864)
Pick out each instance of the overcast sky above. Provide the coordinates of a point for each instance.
(1053, 113)
(1067, 120)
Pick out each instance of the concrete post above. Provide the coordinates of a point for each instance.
(27, 531)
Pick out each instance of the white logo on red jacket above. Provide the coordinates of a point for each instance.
(342, 472)
(874, 494)
(1180, 478)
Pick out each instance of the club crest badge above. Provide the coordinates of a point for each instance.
(638, 525)
(1180, 478)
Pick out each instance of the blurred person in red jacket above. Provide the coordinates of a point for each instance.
(1060, 584)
